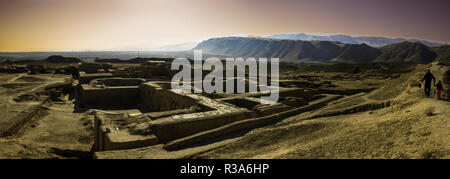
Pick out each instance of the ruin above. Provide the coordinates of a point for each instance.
(180, 114)
(133, 110)
(219, 79)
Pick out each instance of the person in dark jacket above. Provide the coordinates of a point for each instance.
(439, 89)
(428, 77)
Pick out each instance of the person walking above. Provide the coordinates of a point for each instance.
(428, 77)
(439, 89)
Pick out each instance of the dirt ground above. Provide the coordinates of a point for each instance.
(416, 127)
(54, 132)
(413, 126)
(396, 132)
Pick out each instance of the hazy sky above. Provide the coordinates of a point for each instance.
(47, 25)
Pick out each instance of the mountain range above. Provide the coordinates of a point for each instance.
(371, 41)
(324, 51)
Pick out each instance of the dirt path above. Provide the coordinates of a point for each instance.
(15, 78)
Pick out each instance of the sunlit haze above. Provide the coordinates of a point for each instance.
(54, 25)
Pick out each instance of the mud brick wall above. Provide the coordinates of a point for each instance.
(119, 81)
(169, 129)
(86, 78)
(155, 98)
(111, 96)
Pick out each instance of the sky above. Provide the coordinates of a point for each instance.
(58, 25)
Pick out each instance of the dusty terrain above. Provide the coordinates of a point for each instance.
(415, 127)
(55, 131)
(355, 126)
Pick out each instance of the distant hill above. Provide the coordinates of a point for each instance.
(442, 54)
(406, 52)
(358, 54)
(290, 49)
(258, 47)
(61, 59)
(371, 41)
(322, 51)
(133, 60)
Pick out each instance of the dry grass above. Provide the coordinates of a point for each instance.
(430, 151)
(429, 111)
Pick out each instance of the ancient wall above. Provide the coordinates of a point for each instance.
(107, 135)
(109, 96)
(86, 78)
(207, 114)
(118, 81)
(176, 127)
(155, 98)
(306, 94)
(243, 102)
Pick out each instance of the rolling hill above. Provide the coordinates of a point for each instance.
(442, 54)
(406, 52)
(371, 41)
(323, 51)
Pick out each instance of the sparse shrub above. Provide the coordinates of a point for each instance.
(428, 154)
(429, 111)
(430, 151)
